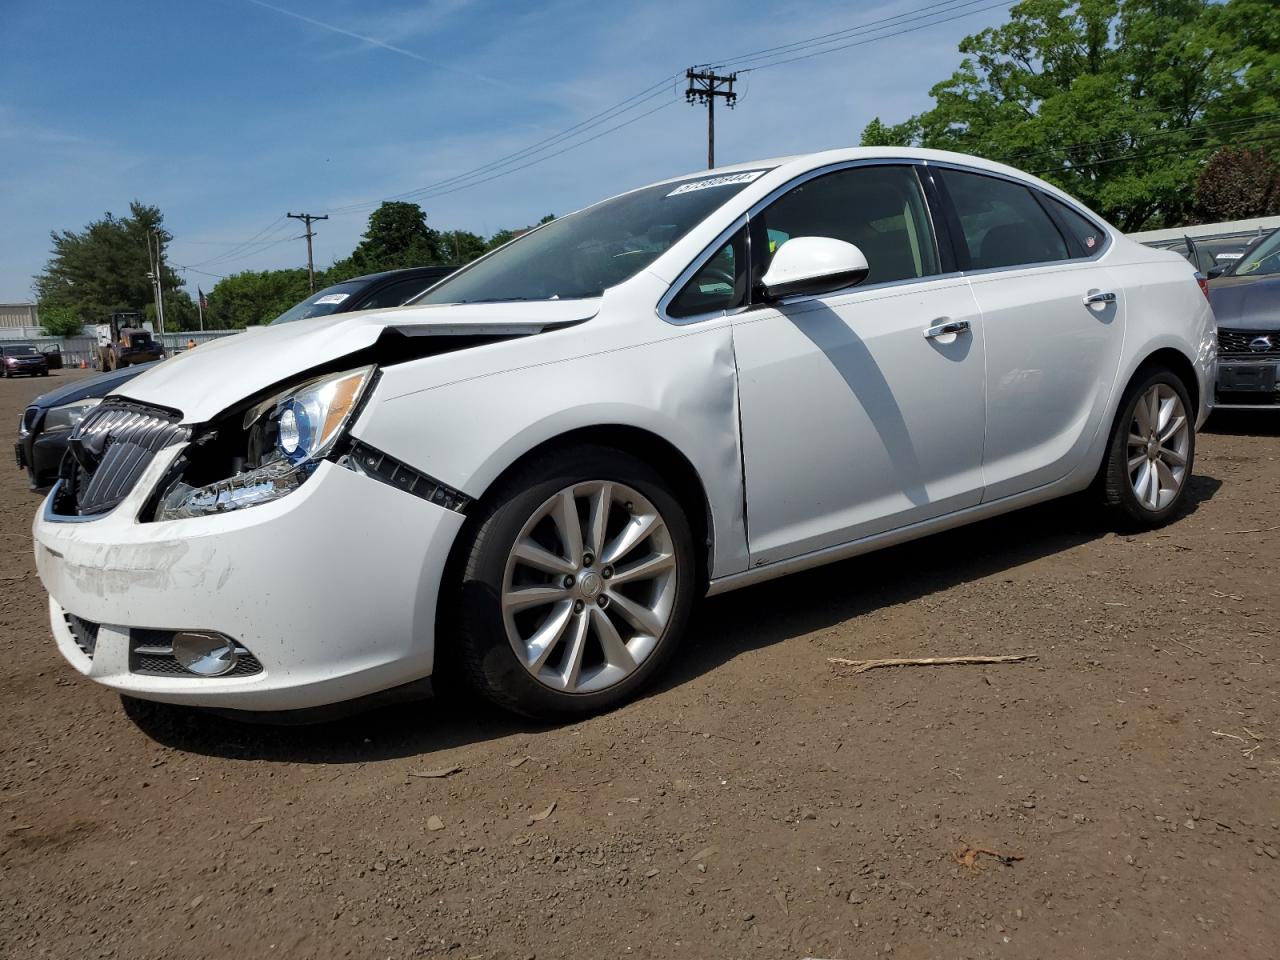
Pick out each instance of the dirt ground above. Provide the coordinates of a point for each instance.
(759, 802)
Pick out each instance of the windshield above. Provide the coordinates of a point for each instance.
(585, 253)
(1260, 260)
(319, 304)
(19, 351)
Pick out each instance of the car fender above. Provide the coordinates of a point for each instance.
(682, 388)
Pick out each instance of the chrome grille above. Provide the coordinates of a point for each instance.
(1237, 342)
(111, 447)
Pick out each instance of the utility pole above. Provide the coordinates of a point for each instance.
(307, 218)
(156, 275)
(704, 87)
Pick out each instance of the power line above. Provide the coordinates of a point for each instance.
(1129, 138)
(834, 36)
(1068, 166)
(242, 244)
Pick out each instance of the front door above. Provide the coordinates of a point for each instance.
(859, 415)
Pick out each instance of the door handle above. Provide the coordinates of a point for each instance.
(1099, 296)
(944, 327)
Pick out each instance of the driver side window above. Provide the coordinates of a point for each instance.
(719, 284)
(879, 209)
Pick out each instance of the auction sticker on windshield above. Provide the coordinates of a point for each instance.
(723, 180)
(332, 298)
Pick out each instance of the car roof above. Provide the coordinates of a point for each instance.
(426, 271)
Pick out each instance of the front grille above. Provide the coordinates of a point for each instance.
(111, 447)
(83, 632)
(1237, 342)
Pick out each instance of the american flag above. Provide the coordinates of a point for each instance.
(204, 301)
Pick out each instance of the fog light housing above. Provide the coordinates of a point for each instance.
(204, 654)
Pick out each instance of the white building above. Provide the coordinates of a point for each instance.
(17, 315)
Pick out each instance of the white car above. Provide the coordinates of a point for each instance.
(533, 472)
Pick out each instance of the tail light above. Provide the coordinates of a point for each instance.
(1204, 283)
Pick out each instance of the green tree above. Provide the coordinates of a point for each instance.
(1117, 103)
(59, 321)
(179, 312)
(252, 298)
(397, 236)
(506, 236)
(461, 246)
(103, 268)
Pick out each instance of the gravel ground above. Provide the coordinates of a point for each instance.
(759, 802)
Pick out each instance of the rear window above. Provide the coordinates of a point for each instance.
(1087, 233)
(1003, 224)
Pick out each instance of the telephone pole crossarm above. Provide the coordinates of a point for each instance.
(704, 87)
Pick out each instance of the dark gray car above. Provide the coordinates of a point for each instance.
(1246, 302)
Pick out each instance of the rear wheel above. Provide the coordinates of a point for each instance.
(578, 582)
(1152, 449)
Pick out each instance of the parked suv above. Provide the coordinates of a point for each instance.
(1246, 303)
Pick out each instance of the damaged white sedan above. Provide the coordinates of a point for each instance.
(532, 473)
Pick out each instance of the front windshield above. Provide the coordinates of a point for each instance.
(585, 253)
(19, 351)
(1261, 260)
(319, 304)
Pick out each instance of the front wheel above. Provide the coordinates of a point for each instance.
(578, 583)
(1151, 452)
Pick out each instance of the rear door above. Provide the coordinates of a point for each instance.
(1053, 322)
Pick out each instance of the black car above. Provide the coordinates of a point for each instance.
(46, 425)
(390, 288)
(1246, 301)
(22, 360)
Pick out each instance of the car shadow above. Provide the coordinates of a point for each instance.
(1244, 423)
(723, 627)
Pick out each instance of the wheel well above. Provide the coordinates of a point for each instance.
(1177, 362)
(660, 454)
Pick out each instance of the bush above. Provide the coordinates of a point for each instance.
(59, 321)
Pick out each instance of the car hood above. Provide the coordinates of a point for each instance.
(98, 386)
(1246, 303)
(207, 380)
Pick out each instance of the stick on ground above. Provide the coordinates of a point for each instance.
(862, 666)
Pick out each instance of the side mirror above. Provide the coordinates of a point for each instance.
(1217, 270)
(809, 266)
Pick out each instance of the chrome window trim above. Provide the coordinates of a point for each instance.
(757, 207)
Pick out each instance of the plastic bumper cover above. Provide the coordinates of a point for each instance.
(332, 588)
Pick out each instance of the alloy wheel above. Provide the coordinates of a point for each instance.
(1159, 441)
(589, 587)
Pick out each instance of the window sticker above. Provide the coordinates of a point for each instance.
(723, 180)
(332, 298)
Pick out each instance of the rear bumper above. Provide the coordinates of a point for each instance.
(332, 589)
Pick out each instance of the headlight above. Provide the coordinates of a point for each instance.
(68, 415)
(288, 436)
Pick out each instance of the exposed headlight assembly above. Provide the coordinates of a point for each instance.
(68, 415)
(288, 435)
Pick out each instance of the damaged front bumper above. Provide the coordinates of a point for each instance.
(330, 590)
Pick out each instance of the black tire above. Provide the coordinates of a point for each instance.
(474, 640)
(1117, 492)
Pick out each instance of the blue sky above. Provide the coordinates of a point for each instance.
(228, 113)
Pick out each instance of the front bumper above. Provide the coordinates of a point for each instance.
(1247, 384)
(332, 588)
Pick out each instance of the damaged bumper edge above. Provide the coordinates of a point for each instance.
(333, 588)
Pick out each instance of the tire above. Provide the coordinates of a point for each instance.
(1171, 455)
(585, 610)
